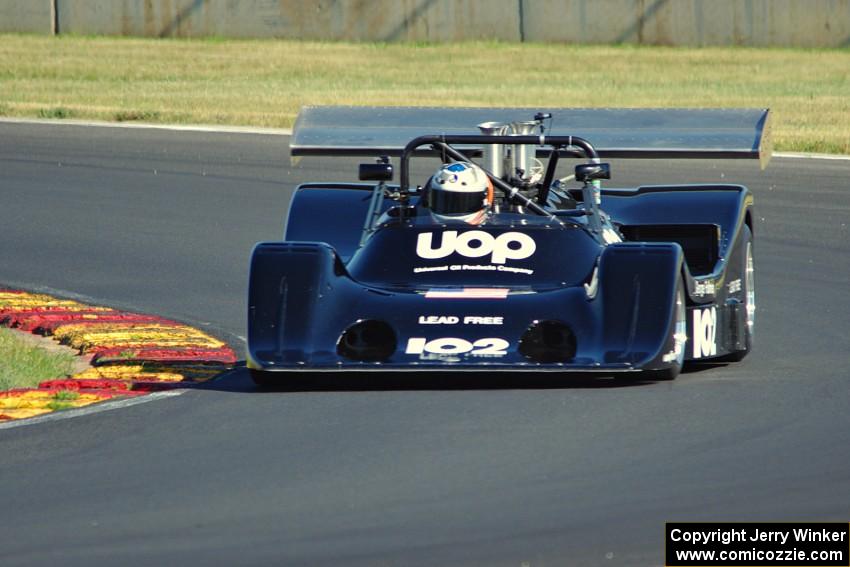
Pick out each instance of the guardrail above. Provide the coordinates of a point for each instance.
(799, 23)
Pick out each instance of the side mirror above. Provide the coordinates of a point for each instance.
(375, 172)
(592, 171)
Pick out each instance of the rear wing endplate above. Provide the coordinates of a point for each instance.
(644, 133)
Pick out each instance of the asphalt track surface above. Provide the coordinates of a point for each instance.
(427, 471)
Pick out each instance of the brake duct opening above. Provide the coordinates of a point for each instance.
(548, 341)
(367, 341)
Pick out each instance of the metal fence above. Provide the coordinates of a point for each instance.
(799, 23)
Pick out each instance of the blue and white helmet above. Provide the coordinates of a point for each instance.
(459, 191)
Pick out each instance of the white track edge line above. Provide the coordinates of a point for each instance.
(800, 155)
(276, 132)
(92, 409)
(177, 127)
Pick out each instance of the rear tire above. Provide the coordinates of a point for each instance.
(748, 293)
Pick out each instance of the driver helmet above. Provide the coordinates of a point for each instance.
(460, 191)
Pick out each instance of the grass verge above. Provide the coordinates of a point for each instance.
(265, 82)
(24, 365)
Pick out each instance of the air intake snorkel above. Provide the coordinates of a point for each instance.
(494, 154)
(513, 162)
(522, 155)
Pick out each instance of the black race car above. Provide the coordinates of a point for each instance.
(562, 276)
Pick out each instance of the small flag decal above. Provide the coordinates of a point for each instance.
(467, 293)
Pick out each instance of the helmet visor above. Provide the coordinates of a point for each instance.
(456, 202)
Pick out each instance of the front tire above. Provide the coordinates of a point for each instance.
(678, 339)
(263, 379)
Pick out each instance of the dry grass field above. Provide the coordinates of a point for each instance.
(264, 82)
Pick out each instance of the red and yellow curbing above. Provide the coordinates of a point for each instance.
(130, 353)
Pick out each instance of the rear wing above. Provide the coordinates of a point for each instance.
(643, 133)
